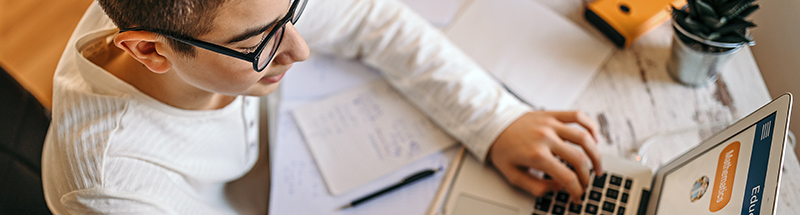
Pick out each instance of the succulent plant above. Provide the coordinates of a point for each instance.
(717, 20)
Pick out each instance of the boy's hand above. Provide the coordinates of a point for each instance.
(535, 139)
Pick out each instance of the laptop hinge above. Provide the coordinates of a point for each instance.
(643, 202)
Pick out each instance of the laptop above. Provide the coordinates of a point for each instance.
(736, 171)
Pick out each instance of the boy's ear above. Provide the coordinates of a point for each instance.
(141, 45)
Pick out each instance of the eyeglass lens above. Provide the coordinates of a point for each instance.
(272, 45)
(275, 41)
(299, 10)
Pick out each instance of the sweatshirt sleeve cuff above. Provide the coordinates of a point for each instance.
(481, 142)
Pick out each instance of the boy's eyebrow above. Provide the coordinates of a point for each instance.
(251, 33)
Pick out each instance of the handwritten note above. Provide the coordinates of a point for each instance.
(298, 188)
(365, 133)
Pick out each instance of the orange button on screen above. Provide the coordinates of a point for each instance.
(726, 172)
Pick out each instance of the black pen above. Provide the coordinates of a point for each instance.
(408, 180)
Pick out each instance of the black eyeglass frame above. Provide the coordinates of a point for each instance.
(251, 57)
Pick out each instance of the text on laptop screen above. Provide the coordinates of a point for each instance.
(725, 179)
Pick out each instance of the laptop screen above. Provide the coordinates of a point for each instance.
(725, 179)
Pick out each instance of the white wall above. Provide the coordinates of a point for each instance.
(777, 49)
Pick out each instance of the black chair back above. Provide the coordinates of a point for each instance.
(23, 126)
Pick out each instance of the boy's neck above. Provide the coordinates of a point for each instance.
(167, 88)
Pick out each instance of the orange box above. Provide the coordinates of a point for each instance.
(723, 180)
(623, 21)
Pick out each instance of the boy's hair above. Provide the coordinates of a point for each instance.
(187, 18)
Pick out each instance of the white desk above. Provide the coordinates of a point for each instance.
(633, 98)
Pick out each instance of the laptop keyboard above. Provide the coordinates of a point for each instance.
(607, 194)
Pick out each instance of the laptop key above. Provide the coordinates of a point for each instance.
(575, 208)
(608, 206)
(628, 184)
(615, 180)
(562, 196)
(594, 195)
(621, 210)
(591, 208)
(599, 181)
(543, 204)
(612, 193)
(558, 210)
(624, 198)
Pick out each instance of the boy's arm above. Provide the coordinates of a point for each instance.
(443, 82)
(109, 201)
(419, 61)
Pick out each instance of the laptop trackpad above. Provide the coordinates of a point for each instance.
(470, 205)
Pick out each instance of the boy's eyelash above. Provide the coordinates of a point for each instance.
(250, 49)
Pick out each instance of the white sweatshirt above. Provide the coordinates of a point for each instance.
(112, 149)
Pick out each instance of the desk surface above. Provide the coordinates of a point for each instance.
(633, 97)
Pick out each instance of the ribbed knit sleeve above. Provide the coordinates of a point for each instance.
(419, 61)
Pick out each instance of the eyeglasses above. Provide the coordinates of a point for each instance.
(259, 57)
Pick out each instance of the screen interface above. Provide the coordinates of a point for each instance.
(725, 179)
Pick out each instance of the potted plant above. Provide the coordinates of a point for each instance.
(707, 33)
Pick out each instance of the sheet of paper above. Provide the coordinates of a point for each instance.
(298, 188)
(438, 12)
(541, 56)
(321, 76)
(365, 133)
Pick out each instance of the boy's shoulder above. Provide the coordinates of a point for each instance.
(82, 91)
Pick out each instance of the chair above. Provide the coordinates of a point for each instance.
(23, 126)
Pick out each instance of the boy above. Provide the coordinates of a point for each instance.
(155, 102)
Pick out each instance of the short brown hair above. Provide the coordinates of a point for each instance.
(188, 18)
